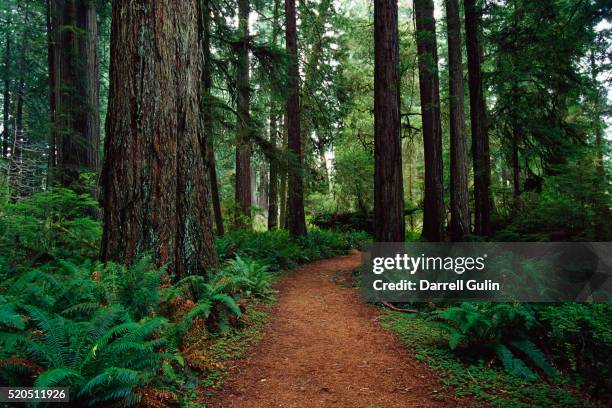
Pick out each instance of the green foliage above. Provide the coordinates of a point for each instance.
(278, 251)
(481, 329)
(355, 221)
(562, 212)
(244, 276)
(486, 385)
(571, 338)
(580, 339)
(48, 226)
(105, 357)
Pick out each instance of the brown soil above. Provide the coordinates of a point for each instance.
(325, 348)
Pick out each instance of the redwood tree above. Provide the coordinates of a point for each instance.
(296, 220)
(155, 195)
(243, 120)
(388, 188)
(433, 211)
(274, 116)
(460, 216)
(6, 96)
(206, 123)
(75, 87)
(480, 138)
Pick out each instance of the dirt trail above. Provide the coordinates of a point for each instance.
(324, 348)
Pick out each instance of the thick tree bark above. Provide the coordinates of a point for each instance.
(460, 216)
(155, 195)
(243, 120)
(206, 123)
(480, 138)
(296, 218)
(433, 211)
(76, 90)
(388, 182)
(6, 97)
(273, 162)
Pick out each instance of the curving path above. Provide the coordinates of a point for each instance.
(324, 348)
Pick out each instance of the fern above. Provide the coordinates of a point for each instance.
(536, 356)
(481, 329)
(512, 364)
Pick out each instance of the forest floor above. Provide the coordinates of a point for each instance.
(324, 347)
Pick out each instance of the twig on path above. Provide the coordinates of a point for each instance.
(399, 309)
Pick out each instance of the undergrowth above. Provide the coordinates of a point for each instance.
(118, 335)
(473, 371)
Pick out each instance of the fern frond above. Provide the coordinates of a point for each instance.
(57, 377)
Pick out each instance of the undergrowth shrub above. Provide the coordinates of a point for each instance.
(533, 340)
(278, 251)
(49, 226)
(111, 333)
(502, 330)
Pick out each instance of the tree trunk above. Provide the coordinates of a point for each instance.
(262, 197)
(516, 169)
(243, 120)
(599, 142)
(273, 163)
(18, 135)
(517, 133)
(6, 108)
(273, 180)
(460, 216)
(388, 182)
(76, 89)
(433, 211)
(51, 162)
(480, 138)
(155, 195)
(296, 219)
(283, 181)
(206, 123)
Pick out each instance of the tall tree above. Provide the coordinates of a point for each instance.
(296, 219)
(155, 195)
(433, 206)
(19, 135)
(243, 120)
(388, 189)
(283, 181)
(480, 138)
(460, 216)
(6, 95)
(206, 123)
(273, 177)
(52, 87)
(599, 140)
(76, 85)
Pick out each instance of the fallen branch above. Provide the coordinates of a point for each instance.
(399, 309)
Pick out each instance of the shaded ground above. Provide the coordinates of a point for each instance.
(325, 348)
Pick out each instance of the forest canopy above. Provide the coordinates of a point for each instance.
(501, 110)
